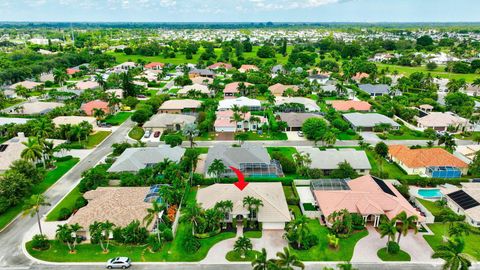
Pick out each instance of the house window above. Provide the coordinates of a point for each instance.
(239, 126)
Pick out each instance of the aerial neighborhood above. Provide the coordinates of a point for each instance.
(268, 148)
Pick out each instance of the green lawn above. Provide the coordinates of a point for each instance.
(393, 170)
(136, 133)
(322, 252)
(401, 256)
(96, 138)
(431, 206)
(170, 252)
(438, 72)
(50, 178)
(472, 241)
(286, 151)
(272, 136)
(253, 234)
(295, 209)
(206, 136)
(118, 118)
(345, 137)
(202, 150)
(233, 256)
(288, 190)
(67, 202)
(408, 134)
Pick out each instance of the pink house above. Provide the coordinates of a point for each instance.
(220, 65)
(232, 88)
(224, 122)
(368, 196)
(89, 107)
(245, 68)
(154, 65)
(346, 105)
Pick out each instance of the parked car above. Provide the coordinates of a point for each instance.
(119, 263)
(300, 133)
(156, 134)
(147, 134)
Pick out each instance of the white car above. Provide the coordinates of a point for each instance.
(300, 133)
(119, 263)
(147, 134)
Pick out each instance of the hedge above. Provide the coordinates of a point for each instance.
(286, 181)
(207, 235)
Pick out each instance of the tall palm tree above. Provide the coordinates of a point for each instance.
(236, 118)
(225, 207)
(76, 132)
(406, 223)
(298, 229)
(33, 150)
(193, 214)
(242, 246)
(288, 261)
(100, 80)
(217, 168)
(113, 101)
(388, 228)
(191, 131)
(99, 114)
(48, 150)
(248, 203)
(43, 128)
(107, 227)
(452, 253)
(60, 76)
(153, 215)
(64, 234)
(261, 261)
(32, 208)
(459, 229)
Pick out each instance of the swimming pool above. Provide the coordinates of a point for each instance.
(430, 193)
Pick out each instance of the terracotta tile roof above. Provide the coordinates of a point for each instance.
(346, 105)
(233, 87)
(154, 65)
(220, 65)
(89, 107)
(278, 88)
(425, 157)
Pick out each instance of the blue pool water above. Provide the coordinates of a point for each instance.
(430, 193)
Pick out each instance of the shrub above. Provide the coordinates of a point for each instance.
(315, 173)
(191, 244)
(80, 202)
(358, 223)
(350, 131)
(40, 242)
(65, 158)
(393, 247)
(288, 166)
(167, 234)
(173, 140)
(153, 243)
(309, 241)
(64, 213)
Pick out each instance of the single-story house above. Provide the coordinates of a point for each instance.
(318, 78)
(180, 106)
(278, 89)
(224, 123)
(220, 65)
(375, 90)
(431, 162)
(251, 104)
(273, 215)
(34, 107)
(154, 66)
(367, 195)
(201, 73)
(277, 69)
(135, 159)
(309, 104)
(168, 121)
(295, 120)
(440, 121)
(125, 66)
(250, 158)
(74, 120)
(203, 89)
(117, 92)
(367, 121)
(332, 88)
(118, 205)
(11, 120)
(202, 80)
(359, 76)
(426, 108)
(466, 152)
(89, 107)
(85, 85)
(246, 68)
(466, 201)
(27, 84)
(347, 105)
(231, 89)
(9, 93)
(329, 159)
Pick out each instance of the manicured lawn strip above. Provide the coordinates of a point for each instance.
(401, 256)
(118, 118)
(136, 133)
(233, 256)
(202, 150)
(96, 138)
(321, 252)
(253, 234)
(346, 137)
(254, 136)
(438, 72)
(286, 151)
(206, 136)
(288, 190)
(431, 206)
(50, 178)
(472, 241)
(67, 202)
(295, 210)
(393, 170)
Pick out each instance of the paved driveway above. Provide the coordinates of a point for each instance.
(414, 244)
(370, 137)
(293, 136)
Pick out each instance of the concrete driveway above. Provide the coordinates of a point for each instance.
(370, 137)
(293, 136)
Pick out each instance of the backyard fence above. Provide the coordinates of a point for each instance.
(429, 217)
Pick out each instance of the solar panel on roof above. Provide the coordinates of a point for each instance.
(383, 186)
(464, 200)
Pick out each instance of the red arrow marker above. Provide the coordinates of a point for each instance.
(240, 184)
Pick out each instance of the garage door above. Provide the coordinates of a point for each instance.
(273, 226)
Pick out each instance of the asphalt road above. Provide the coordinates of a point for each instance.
(11, 253)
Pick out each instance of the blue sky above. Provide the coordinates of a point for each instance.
(241, 10)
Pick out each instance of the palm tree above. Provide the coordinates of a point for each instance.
(99, 114)
(47, 152)
(225, 207)
(346, 266)
(452, 253)
(60, 76)
(329, 138)
(407, 222)
(297, 229)
(64, 234)
(261, 261)
(191, 131)
(459, 229)
(100, 80)
(153, 215)
(32, 208)
(288, 261)
(448, 140)
(217, 168)
(33, 150)
(113, 101)
(76, 132)
(193, 214)
(388, 228)
(236, 117)
(242, 246)
(107, 227)
(43, 128)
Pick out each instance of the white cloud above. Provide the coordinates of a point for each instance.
(291, 4)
